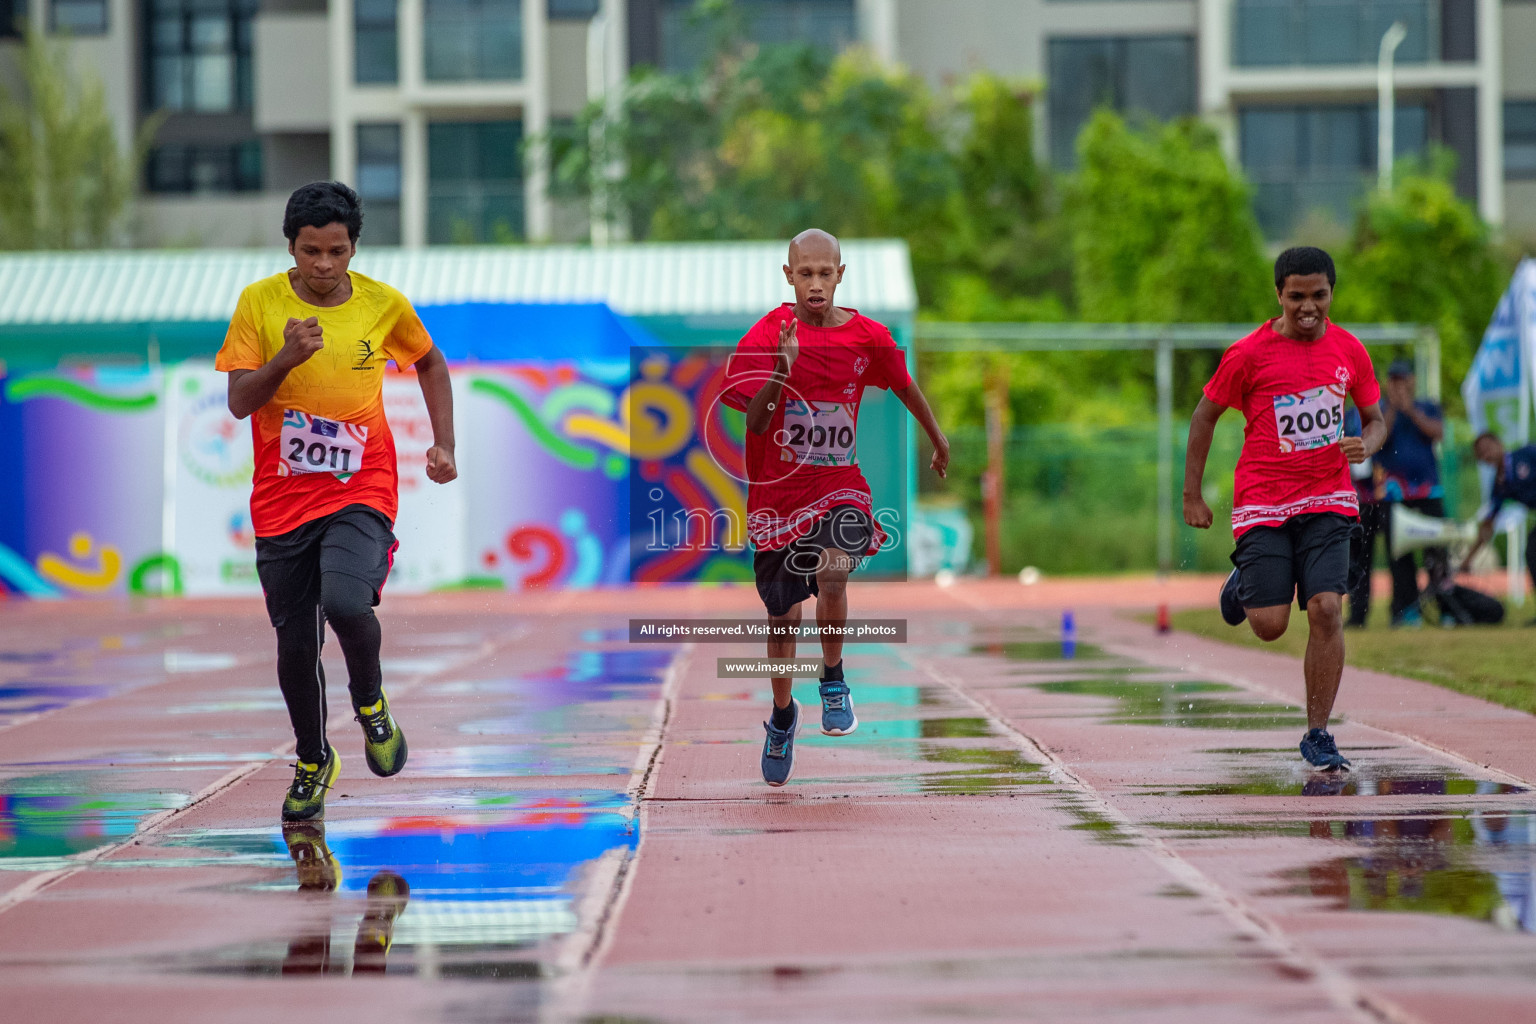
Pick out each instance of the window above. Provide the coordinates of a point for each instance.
(78, 17)
(1152, 76)
(1520, 139)
(576, 9)
(475, 190)
(687, 36)
(1280, 32)
(376, 48)
(201, 168)
(473, 40)
(12, 14)
(378, 181)
(1305, 159)
(200, 55)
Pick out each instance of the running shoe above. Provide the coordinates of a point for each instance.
(779, 749)
(316, 865)
(388, 894)
(306, 797)
(1318, 748)
(1231, 610)
(1408, 618)
(837, 717)
(383, 742)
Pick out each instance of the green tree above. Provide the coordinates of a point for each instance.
(1421, 254)
(64, 181)
(1164, 231)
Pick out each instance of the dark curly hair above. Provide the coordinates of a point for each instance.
(320, 203)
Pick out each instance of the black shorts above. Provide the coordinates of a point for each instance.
(788, 576)
(356, 541)
(1306, 555)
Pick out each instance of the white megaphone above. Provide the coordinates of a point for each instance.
(1412, 531)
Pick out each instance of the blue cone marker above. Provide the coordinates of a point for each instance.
(1068, 635)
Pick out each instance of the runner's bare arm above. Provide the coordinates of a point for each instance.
(249, 390)
(1373, 434)
(1202, 427)
(436, 389)
(917, 404)
(760, 409)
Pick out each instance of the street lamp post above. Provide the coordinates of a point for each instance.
(1386, 104)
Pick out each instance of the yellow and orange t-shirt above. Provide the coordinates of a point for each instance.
(322, 442)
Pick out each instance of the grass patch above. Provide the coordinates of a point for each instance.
(1496, 663)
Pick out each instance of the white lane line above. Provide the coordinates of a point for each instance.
(1340, 988)
(612, 878)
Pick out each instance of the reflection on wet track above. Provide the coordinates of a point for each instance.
(504, 851)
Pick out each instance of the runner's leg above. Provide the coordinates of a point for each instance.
(288, 567)
(1322, 576)
(355, 555)
(1324, 665)
(301, 677)
(1266, 579)
(783, 647)
(832, 600)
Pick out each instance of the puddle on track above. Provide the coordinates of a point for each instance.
(1480, 865)
(443, 895)
(1179, 705)
(47, 817)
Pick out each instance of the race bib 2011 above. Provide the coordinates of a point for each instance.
(819, 433)
(311, 444)
(1310, 419)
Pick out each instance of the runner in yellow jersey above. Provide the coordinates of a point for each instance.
(305, 353)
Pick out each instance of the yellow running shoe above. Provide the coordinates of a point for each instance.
(383, 742)
(306, 797)
(316, 865)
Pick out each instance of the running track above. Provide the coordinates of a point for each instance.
(1127, 835)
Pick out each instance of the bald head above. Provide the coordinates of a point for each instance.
(815, 244)
(814, 270)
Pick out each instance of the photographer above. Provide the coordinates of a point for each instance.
(1412, 477)
(1514, 479)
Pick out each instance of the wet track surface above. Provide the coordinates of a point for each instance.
(582, 834)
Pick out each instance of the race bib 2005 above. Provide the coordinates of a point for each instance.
(1310, 419)
(819, 433)
(313, 445)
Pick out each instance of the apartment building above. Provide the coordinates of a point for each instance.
(422, 104)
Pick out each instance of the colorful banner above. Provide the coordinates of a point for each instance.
(580, 467)
(1496, 390)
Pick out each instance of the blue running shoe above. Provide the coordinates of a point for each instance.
(1318, 748)
(837, 717)
(779, 750)
(1231, 610)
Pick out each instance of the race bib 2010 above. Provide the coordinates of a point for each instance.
(819, 433)
(313, 445)
(1310, 419)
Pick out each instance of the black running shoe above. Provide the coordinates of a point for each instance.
(1231, 611)
(1318, 748)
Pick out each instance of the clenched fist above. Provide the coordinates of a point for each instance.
(441, 467)
(301, 339)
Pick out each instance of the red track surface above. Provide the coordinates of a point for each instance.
(1128, 835)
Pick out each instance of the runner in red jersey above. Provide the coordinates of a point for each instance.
(1293, 505)
(799, 375)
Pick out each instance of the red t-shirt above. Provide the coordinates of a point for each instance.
(1292, 395)
(807, 461)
